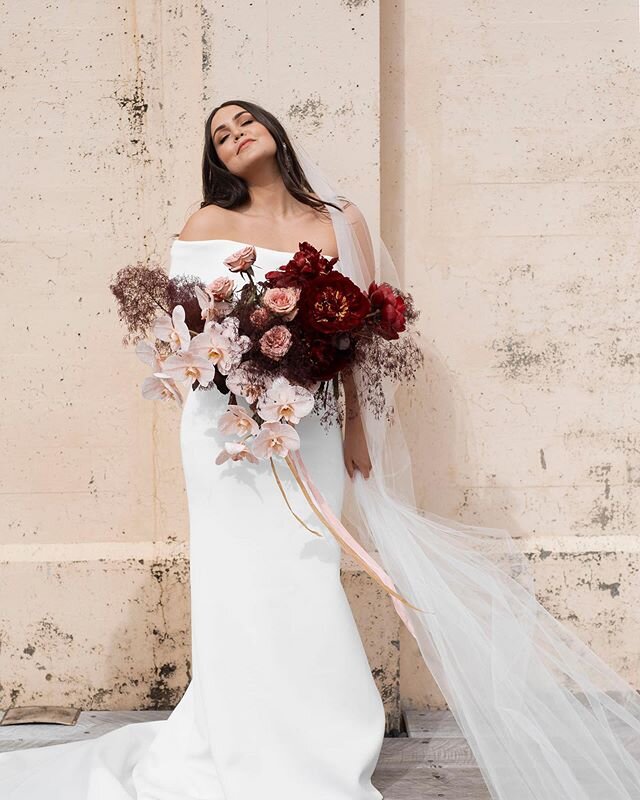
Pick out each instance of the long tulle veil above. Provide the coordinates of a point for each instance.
(545, 717)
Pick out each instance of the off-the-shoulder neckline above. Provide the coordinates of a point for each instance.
(233, 241)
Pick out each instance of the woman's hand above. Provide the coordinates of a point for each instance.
(355, 450)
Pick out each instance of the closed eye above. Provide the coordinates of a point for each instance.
(224, 137)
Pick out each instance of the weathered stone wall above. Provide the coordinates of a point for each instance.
(101, 130)
(496, 144)
(514, 129)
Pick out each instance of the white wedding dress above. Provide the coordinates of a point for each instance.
(282, 704)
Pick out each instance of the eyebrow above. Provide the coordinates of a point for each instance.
(224, 125)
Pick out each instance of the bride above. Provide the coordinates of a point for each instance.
(282, 703)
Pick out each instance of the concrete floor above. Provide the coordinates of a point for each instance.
(432, 761)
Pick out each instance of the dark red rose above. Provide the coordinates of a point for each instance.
(325, 359)
(307, 264)
(333, 303)
(391, 319)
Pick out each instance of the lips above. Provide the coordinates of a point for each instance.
(243, 144)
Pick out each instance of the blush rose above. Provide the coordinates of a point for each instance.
(241, 260)
(282, 301)
(276, 342)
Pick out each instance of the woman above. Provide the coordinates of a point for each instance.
(546, 719)
(282, 703)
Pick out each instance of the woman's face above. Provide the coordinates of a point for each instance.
(239, 139)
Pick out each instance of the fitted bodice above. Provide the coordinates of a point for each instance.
(204, 258)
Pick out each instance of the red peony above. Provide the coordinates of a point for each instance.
(325, 359)
(332, 303)
(306, 264)
(391, 308)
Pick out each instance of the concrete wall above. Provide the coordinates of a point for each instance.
(514, 129)
(102, 108)
(496, 143)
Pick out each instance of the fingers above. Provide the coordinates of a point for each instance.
(364, 469)
(352, 465)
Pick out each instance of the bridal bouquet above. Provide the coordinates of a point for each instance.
(278, 343)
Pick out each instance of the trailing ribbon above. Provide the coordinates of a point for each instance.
(286, 499)
(349, 544)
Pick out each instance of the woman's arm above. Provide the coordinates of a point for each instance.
(356, 452)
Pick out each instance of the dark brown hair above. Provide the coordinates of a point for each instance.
(222, 188)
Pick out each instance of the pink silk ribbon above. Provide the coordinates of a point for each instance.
(373, 565)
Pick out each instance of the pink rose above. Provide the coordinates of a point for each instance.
(241, 260)
(282, 301)
(221, 288)
(276, 342)
(260, 318)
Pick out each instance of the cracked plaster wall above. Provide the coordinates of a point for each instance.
(501, 143)
(510, 192)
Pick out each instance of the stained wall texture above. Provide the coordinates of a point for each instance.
(98, 129)
(510, 166)
(495, 143)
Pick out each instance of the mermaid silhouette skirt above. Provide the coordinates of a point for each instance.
(282, 704)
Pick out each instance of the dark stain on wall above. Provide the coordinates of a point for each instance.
(165, 690)
(135, 106)
(614, 588)
(99, 697)
(14, 694)
(621, 358)
(601, 473)
(521, 362)
(517, 271)
(48, 629)
(205, 37)
(543, 461)
(605, 510)
(161, 695)
(312, 110)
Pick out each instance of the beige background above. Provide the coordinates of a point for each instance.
(497, 143)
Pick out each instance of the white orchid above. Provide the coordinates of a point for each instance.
(237, 420)
(221, 344)
(229, 327)
(212, 304)
(148, 352)
(247, 381)
(236, 451)
(173, 329)
(188, 365)
(275, 438)
(161, 388)
(285, 400)
(158, 386)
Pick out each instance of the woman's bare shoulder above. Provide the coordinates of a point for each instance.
(210, 222)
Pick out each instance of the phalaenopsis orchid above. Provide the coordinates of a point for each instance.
(278, 343)
(275, 346)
